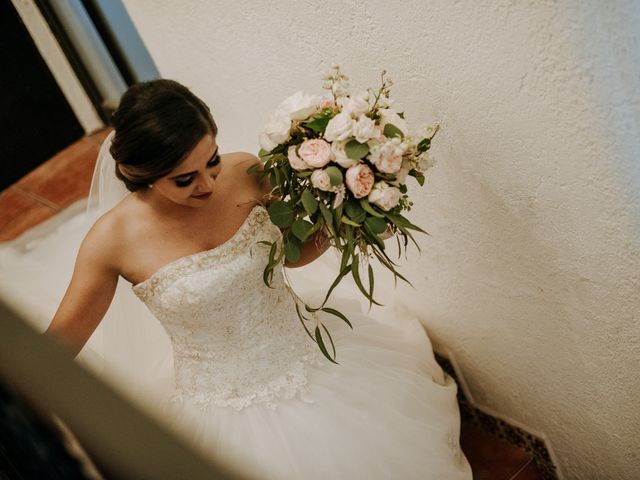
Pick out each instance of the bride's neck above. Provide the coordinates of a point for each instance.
(164, 207)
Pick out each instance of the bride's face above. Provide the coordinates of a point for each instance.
(192, 182)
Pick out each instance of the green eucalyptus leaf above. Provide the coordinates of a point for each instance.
(371, 280)
(372, 237)
(333, 347)
(356, 150)
(390, 131)
(292, 251)
(355, 273)
(376, 224)
(326, 214)
(281, 214)
(364, 203)
(335, 175)
(345, 220)
(301, 229)
(263, 153)
(424, 145)
(338, 314)
(318, 123)
(354, 211)
(323, 348)
(309, 202)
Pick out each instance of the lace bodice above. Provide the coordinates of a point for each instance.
(235, 341)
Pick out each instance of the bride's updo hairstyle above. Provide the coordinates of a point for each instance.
(157, 124)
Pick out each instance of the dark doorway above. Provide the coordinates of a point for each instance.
(35, 119)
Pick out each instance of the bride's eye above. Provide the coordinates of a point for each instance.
(184, 183)
(214, 161)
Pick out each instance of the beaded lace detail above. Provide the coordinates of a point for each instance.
(236, 343)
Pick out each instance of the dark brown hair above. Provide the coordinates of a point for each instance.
(157, 124)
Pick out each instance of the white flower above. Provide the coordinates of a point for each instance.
(339, 127)
(384, 195)
(387, 156)
(276, 131)
(390, 116)
(339, 156)
(320, 179)
(365, 129)
(425, 162)
(300, 105)
(355, 105)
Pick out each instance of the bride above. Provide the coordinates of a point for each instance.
(249, 388)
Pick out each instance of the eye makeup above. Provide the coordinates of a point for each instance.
(185, 182)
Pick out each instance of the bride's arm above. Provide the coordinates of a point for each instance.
(89, 293)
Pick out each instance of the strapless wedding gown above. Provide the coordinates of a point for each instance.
(254, 392)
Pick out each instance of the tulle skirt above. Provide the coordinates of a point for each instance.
(387, 411)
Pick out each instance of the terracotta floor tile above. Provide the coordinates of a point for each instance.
(490, 457)
(18, 212)
(529, 472)
(64, 178)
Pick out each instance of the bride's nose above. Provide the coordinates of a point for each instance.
(206, 183)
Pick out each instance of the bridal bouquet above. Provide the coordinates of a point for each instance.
(338, 165)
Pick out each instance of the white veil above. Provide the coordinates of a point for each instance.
(133, 348)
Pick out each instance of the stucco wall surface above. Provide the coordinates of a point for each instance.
(530, 277)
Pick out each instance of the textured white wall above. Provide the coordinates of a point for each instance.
(530, 277)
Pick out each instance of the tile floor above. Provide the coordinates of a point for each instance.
(66, 177)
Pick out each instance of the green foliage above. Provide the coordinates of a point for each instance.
(390, 131)
(281, 214)
(301, 229)
(335, 175)
(309, 202)
(318, 123)
(356, 150)
(292, 251)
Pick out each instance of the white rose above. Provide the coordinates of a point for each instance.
(300, 105)
(354, 105)
(425, 162)
(365, 129)
(320, 179)
(276, 131)
(387, 156)
(339, 127)
(390, 116)
(384, 195)
(339, 156)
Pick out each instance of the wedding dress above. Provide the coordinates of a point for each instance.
(251, 390)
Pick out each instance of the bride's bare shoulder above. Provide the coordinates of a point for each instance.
(108, 235)
(240, 163)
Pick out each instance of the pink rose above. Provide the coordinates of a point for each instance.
(296, 162)
(327, 103)
(316, 153)
(359, 179)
